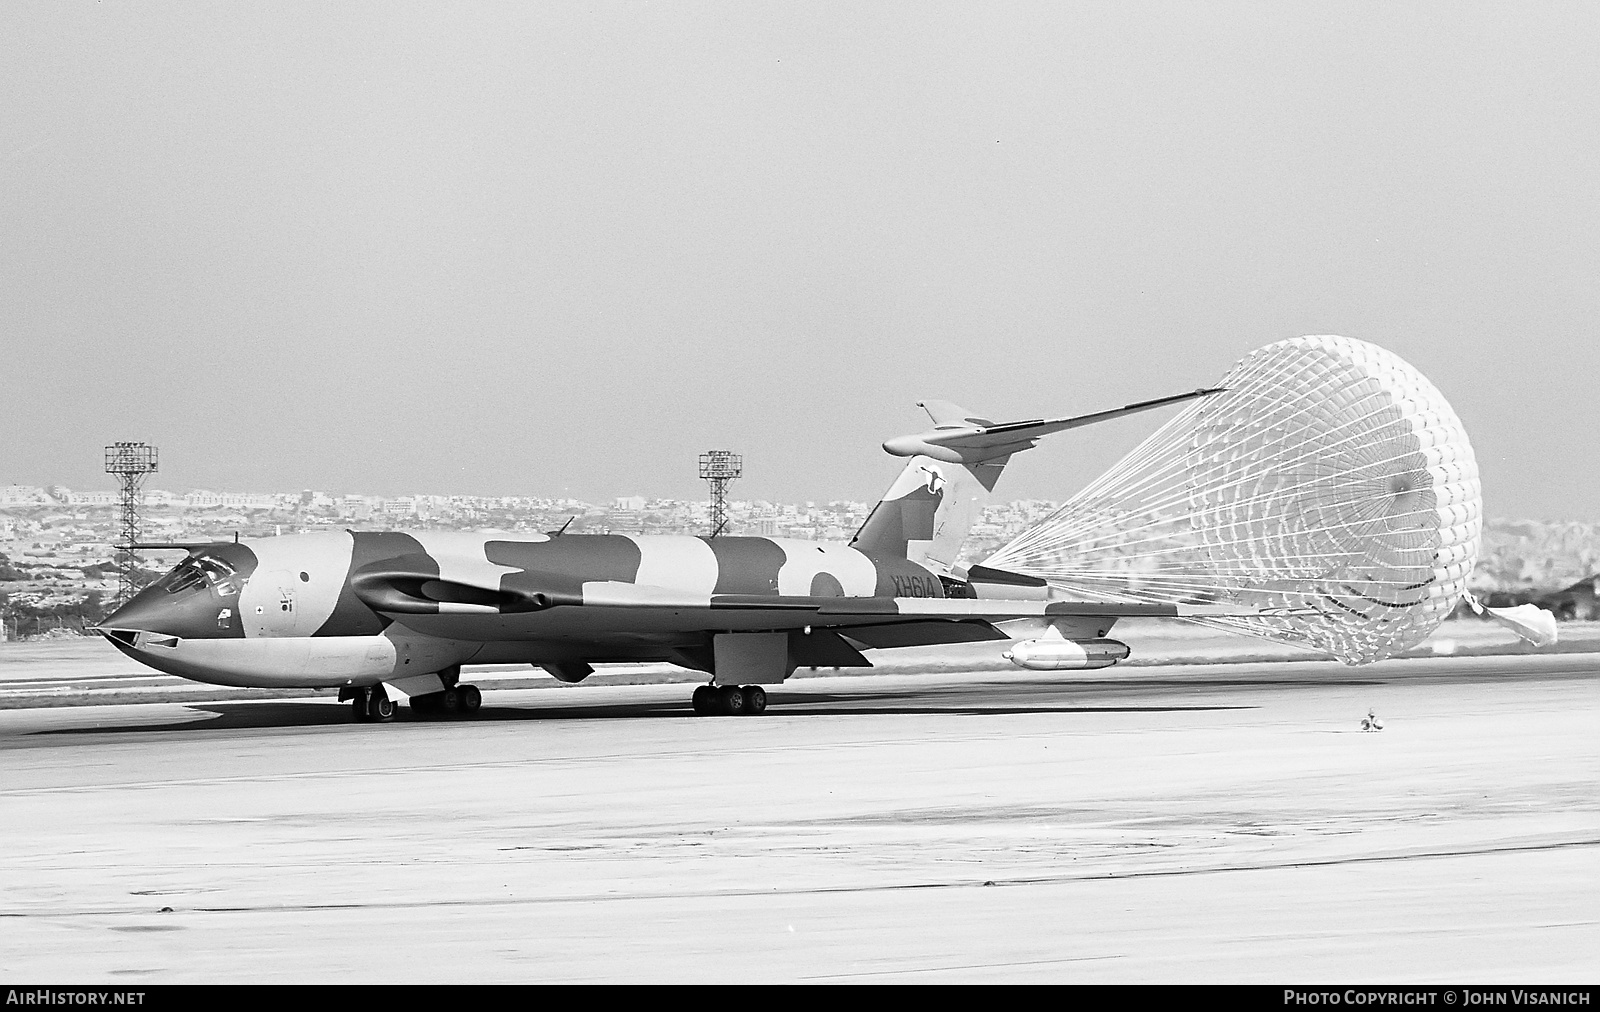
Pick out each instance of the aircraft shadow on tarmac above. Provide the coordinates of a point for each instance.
(300, 713)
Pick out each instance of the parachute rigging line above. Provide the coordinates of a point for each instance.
(1329, 487)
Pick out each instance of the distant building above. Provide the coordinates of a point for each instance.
(202, 499)
(630, 503)
(22, 495)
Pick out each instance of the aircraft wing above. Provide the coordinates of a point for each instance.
(400, 590)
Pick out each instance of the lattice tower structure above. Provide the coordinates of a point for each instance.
(130, 464)
(719, 467)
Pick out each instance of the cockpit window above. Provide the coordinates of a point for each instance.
(196, 571)
(215, 569)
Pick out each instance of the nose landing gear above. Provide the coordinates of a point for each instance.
(729, 700)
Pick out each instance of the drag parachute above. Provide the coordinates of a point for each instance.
(1328, 490)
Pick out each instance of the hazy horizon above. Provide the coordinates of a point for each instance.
(509, 250)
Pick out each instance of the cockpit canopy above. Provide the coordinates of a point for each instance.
(194, 572)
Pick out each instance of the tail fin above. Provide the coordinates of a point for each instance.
(927, 512)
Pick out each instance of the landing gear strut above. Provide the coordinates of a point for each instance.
(729, 700)
(372, 706)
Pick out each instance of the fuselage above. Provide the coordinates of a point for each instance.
(351, 608)
(396, 613)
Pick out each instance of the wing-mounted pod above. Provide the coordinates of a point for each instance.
(1055, 652)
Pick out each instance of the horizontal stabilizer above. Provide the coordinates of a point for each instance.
(959, 439)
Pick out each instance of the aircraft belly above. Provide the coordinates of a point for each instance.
(276, 662)
(304, 661)
(429, 643)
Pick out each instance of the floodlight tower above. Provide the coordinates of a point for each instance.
(720, 467)
(130, 462)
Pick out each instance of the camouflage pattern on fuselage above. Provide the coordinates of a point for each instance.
(403, 607)
(516, 597)
(353, 583)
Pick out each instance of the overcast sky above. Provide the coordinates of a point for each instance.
(561, 249)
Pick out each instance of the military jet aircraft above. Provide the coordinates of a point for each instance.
(391, 616)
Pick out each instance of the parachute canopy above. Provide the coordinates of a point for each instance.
(1329, 488)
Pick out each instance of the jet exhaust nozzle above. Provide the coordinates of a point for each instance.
(1057, 654)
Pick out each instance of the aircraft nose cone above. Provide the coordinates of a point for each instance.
(141, 613)
(153, 610)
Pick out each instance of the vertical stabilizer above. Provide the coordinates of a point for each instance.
(927, 512)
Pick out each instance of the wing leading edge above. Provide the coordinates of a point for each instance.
(398, 592)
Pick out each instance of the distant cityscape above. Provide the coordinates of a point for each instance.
(57, 544)
(55, 521)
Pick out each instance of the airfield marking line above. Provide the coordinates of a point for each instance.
(830, 890)
(95, 692)
(488, 765)
(964, 966)
(98, 692)
(1328, 862)
(149, 676)
(198, 726)
(703, 750)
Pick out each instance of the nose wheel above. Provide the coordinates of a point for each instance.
(729, 700)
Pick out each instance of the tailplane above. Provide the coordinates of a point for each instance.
(927, 512)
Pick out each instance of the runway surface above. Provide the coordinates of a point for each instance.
(1216, 823)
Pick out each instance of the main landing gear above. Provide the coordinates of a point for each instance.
(373, 706)
(729, 700)
(459, 700)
